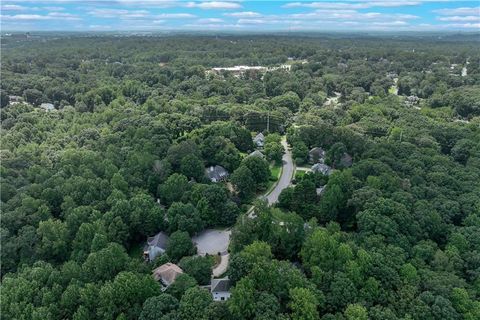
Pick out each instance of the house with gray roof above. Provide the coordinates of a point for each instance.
(155, 246)
(259, 140)
(322, 168)
(316, 154)
(257, 153)
(47, 107)
(346, 160)
(320, 190)
(216, 173)
(15, 100)
(220, 289)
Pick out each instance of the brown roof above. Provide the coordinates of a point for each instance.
(167, 272)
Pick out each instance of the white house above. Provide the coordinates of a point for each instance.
(220, 289)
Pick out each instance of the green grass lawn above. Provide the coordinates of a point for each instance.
(275, 172)
(299, 174)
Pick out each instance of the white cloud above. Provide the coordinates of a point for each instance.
(251, 21)
(244, 14)
(463, 25)
(351, 15)
(213, 5)
(12, 7)
(459, 18)
(210, 20)
(464, 11)
(53, 8)
(351, 5)
(175, 16)
(39, 17)
(118, 13)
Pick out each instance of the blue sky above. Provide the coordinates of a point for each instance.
(228, 15)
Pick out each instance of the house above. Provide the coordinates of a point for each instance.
(15, 100)
(257, 153)
(155, 246)
(316, 154)
(216, 173)
(322, 168)
(47, 107)
(220, 289)
(412, 100)
(259, 140)
(320, 190)
(167, 273)
(346, 160)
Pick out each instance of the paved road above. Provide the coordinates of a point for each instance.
(286, 177)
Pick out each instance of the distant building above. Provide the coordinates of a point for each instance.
(167, 273)
(216, 173)
(259, 140)
(238, 71)
(15, 100)
(155, 246)
(392, 75)
(47, 107)
(257, 153)
(322, 168)
(316, 155)
(412, 101)
(220, 289)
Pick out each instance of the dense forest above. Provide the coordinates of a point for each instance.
(121, 156)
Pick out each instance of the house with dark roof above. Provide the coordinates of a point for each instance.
(167, 273)
(257, 153)
(346, 160)
(155, 246)
(259, 140)
(220, 289)
(216, 173)
(316, 154)
(322, 168)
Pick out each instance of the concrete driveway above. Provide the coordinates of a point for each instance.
(212, 241)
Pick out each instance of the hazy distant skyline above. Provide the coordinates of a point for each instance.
(165, 15)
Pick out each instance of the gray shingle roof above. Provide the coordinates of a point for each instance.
(257, 153)
(216, 173)
(259, 139)
(322, 168)
(159, 240)
(220, 285)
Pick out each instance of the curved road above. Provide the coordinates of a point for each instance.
(287, 174)
(288, 169)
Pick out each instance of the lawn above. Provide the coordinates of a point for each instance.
(275, 170)
(299, 174)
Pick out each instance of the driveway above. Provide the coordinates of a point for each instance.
(212, 241)
(221, 268)
(287, 174)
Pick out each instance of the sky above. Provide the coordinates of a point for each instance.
(247, 16)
